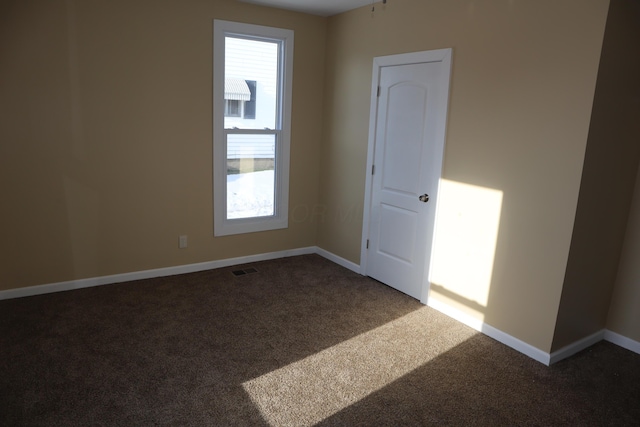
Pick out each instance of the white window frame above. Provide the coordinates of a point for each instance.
(280, 218)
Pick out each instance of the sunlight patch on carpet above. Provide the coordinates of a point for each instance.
(312, 389)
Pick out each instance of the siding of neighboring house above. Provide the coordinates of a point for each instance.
(251, 146)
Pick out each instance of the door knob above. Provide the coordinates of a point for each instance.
(424, 198)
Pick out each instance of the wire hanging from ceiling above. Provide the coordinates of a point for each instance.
(373, 5)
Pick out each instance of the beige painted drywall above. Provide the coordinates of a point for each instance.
(608, 180)
(523, 81)
(624, 312)
(105, 129)
(623, 316)
(106, 136)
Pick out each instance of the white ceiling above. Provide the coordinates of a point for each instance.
(315, 7)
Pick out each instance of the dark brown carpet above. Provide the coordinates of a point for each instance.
(301, 341)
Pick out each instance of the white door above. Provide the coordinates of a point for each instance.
(408, 143)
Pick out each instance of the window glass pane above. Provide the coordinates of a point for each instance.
(250, 175)
(232, 108)
(251, 78)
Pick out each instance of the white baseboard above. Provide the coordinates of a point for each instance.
(456, 314)
(496, 334)
(529, 350)
(586, 342)
(577, 346)
(622, 341)
(338, 260)
(452, 312)
(148, 274)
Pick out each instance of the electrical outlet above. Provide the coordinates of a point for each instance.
(182, 241)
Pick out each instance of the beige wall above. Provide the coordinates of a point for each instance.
(106, 130)
(625, 303)
(523, 82)
(608, 179)
(105, 154)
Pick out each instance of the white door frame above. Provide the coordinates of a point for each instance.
(439, 55)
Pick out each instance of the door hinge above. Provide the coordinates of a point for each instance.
(367, 243)
(373, 169)
(378, 91)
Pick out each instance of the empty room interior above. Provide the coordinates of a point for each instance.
(107, 158)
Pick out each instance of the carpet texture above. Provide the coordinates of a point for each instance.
(299, 342)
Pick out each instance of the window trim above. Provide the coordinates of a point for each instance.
(280, 219)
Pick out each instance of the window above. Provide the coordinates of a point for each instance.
(252, 76)
(232, 108)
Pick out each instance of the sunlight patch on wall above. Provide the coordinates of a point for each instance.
(466, 233)
(348, 372)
